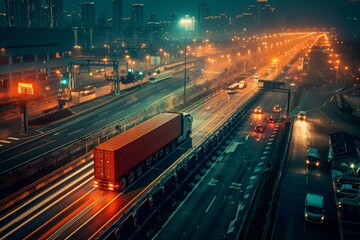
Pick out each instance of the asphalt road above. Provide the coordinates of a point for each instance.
(323, 119)
(216, 207)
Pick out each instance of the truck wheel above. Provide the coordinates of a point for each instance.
(122, 183)
(131, 177)
(139, 171)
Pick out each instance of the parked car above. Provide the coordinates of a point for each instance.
(347, 191)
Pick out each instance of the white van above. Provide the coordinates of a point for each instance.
(312, 157)
(314, 208)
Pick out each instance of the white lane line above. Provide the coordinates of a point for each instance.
(56, 133)
(4, 141)
(75, 131)
(13, 138)
(104, 113)
(118, 113)
(98, 121)
(134, 105)
(210, 205)
(149, 98)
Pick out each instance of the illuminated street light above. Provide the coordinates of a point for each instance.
(188, 23)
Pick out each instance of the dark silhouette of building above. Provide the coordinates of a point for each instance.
(21, 13)
(137, 15)
(55, 13)
(204, 11)
(88, 14)
(117, 19)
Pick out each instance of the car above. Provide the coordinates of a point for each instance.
(347, 191)
(314, 208)
(270, 119)
(276, 108)
(302, 115)
(258, 109)
(259, 128)
(312, 157)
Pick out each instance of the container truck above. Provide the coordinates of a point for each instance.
(120, 160)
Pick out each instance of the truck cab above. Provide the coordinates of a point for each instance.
(314, 208)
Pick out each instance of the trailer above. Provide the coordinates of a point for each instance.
(120, 160)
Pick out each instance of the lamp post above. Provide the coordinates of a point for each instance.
(337, 74)
(185, 23)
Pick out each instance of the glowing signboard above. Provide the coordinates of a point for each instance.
(25, 88)
(264, 84)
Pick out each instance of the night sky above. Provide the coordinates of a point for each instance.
(307, 11)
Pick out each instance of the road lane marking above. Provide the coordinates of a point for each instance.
(98, 121)
(56, 133)
(104, 113)
(75, 131)
(13, 138)
(4, 141)
(210, 205)
(118, 113)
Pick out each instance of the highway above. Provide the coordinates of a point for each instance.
(220, 200)
(71, 208)
(323, 119)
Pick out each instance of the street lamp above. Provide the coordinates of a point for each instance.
(337, 74)
(186, 23)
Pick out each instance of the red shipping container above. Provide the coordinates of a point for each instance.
(120, 154)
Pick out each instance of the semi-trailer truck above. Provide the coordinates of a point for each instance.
(121, 159)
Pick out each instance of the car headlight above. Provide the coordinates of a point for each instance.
(306, 214)
(322, 218)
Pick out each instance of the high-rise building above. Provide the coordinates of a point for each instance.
(55, 14)
(32, 13)
(137, 15)
(268, 16)
(117, 21)
(88, 14)
(204, 11)
(152, 17)
(14, 17)
(23, 13)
